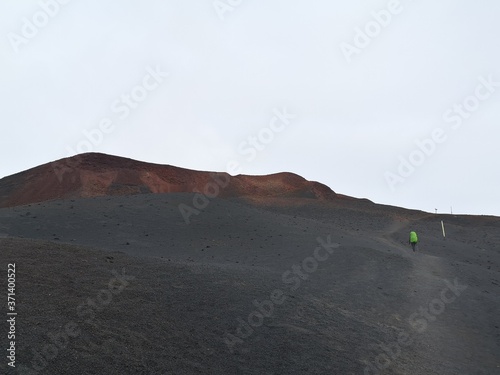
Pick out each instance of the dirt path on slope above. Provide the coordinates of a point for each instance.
(429, 319)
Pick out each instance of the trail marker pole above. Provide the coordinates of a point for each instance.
(442, 226)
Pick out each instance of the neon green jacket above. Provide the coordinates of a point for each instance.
(413, 237)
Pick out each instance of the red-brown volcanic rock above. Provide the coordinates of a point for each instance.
(95, 174)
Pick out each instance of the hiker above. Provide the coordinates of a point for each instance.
(413, 240)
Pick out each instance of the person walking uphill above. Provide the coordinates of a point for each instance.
(413, 240)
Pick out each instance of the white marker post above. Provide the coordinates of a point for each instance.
(442, 226)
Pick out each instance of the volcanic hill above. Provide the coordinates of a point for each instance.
(96, 174)
(276, 275)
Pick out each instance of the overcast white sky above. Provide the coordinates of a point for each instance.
(427, 70)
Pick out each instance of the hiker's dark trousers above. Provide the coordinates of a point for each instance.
(413, 245)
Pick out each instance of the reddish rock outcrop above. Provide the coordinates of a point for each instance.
(95, 174)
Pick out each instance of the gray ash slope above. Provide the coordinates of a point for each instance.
(195, 283)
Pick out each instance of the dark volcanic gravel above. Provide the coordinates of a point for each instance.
(124, 286)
